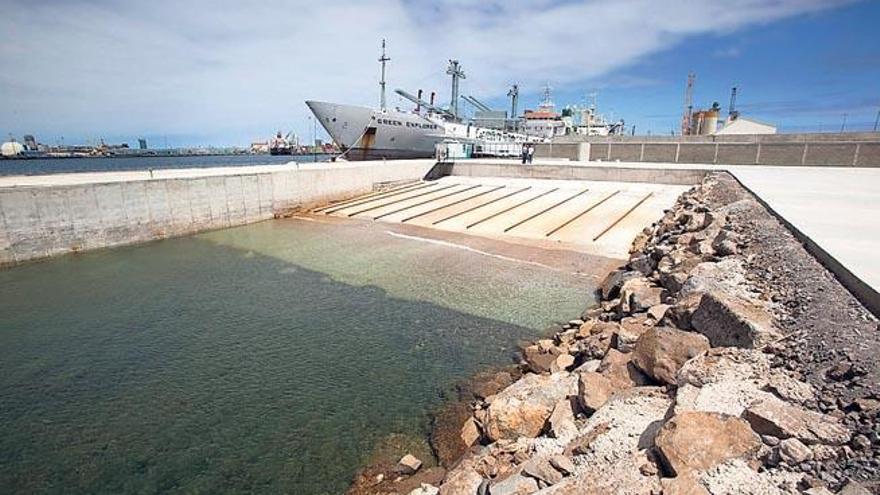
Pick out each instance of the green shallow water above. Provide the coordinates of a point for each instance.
(268, 358)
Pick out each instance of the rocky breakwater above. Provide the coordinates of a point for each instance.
(682, 381)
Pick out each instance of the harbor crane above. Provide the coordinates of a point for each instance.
(687, 116)
(731, 110)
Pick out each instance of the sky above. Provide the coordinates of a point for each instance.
(225, 73)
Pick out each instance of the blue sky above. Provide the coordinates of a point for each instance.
(801, 73)
(225, 73)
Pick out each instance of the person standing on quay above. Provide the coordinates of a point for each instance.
(531, 153)
(525, 153)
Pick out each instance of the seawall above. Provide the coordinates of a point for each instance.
(43, 216)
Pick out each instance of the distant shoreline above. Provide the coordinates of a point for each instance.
(151, 155)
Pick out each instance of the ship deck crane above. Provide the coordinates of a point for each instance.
(457, 74)
(423, 103)
(477, 103)
(514, 99)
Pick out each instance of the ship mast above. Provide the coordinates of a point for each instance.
(457, 73)
(382, 60)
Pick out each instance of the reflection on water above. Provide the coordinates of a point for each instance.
(251, 359)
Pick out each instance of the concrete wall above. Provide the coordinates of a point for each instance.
(62, 215)
(477, 168)
(568, 151)
(820, 153)
(849, 137)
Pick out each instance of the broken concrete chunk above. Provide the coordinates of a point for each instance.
(661, 351)
(730, 321)
(727, 275)
(726, 364)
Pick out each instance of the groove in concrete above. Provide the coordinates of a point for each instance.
(536, 215)
(512, 207)
(366, 198)
(613, 224)
(582, 213)
(456, 202)
(487, 203)
(422, 203)
(382, 205)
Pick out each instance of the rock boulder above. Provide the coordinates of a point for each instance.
(523, 408)
(408, 464)
(620, 371)
(661, 351)
(772, 416)
(697, 441)
(594, 389)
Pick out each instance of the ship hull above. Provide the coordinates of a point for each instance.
(366, 134)
(360, 154)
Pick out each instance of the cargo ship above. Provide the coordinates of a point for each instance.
(364, 133)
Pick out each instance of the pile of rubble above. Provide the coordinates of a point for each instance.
(678, 383)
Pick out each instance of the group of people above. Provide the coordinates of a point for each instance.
(528, 153)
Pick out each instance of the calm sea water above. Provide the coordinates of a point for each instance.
(268, 358)
(67, 165)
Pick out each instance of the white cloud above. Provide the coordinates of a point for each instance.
(240, 70)
(729, 52)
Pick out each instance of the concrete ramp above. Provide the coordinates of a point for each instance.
(595, 217)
